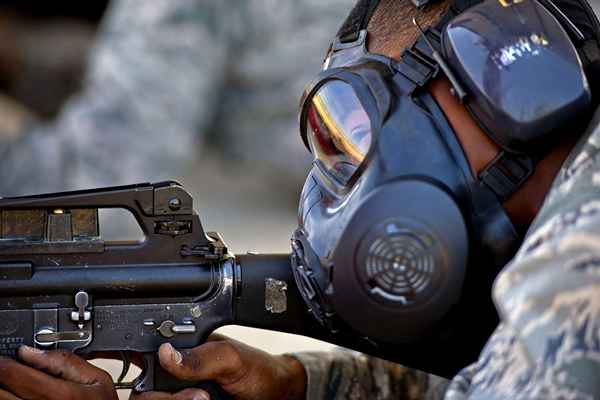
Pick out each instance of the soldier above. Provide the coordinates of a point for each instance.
(547, 297)
(168, 77)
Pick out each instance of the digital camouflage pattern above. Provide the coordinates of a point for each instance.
(168, 76)
(548, 344)
(351, 375)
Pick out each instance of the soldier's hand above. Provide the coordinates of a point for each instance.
(53, 375)
(242, 371)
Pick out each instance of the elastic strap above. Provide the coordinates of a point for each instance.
(416, 64)
(506, 173)
(363, 11)
(357, 20)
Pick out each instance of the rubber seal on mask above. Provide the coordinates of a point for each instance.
(505, 51)
(401, 262)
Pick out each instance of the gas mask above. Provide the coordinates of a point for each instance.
(398, 241)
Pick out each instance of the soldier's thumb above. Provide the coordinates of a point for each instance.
(213, 361)
(187, 394)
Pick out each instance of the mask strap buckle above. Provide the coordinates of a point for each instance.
(506, 173)
(457, 88)
(346, 43)
(416, 66)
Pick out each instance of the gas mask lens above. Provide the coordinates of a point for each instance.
(339, 130)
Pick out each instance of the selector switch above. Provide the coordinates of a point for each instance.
(169, 328)
(82, 300)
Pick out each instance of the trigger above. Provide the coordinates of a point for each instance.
(126, 366)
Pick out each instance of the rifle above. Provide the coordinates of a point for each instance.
(62, 286)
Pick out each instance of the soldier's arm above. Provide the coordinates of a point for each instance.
(344, 374)
(152, 87)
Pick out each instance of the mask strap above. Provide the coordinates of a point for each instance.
(361, 14)
(506, 173)
(357, 20)
(459, 92)
(419, 63)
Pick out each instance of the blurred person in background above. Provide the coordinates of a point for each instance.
(168, 80)
(43, 53)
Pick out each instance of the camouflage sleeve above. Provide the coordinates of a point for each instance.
(343, 374)
(153, 83)
(548, 345)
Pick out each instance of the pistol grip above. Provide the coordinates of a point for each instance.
(155, 378)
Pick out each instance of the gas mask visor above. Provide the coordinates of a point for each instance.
(340, 115)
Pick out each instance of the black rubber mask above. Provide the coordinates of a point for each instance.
(398, 242)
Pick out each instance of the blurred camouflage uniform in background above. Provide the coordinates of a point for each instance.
(168, 78)
(548, 297)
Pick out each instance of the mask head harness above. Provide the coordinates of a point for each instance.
(399, 242)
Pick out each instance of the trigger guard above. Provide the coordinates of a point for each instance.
(145, 382)
(126, 366)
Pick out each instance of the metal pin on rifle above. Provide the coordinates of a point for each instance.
(459, 92)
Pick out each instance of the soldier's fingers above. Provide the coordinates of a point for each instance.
(192, 394)
(4, 395)
(217, 337)
(65, 365)
(213, 361)
(30, 383)
(187, 394)
(151, 396)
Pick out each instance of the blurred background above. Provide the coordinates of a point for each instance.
(103, 93)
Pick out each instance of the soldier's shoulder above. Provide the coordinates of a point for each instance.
(549, 296)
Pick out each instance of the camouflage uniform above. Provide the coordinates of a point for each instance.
(548, 344)
(166, 75)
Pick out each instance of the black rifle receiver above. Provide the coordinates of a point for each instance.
(62, 286)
